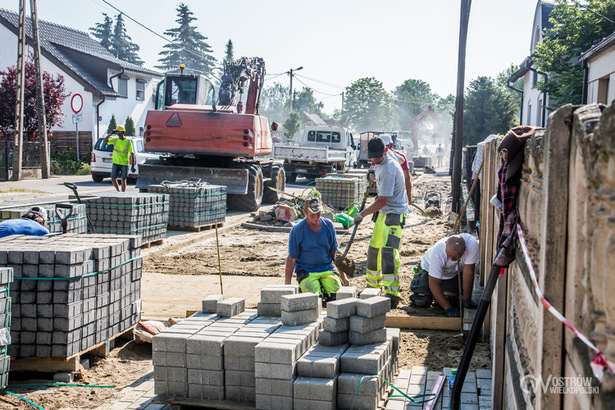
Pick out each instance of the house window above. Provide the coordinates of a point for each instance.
(122, 87)
(140, 96)
(603, 90)
(529, 114)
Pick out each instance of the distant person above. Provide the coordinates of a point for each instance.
(436, 275)
(31, 223)
(440, 154)
(122, 157)
(312, 246)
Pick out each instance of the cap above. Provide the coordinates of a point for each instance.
(313, 205)
(38, 210)
(386, 139)
(375, 148)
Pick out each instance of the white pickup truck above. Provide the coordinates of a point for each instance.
(316, 152)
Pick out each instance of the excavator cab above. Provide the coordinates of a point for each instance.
(191, 89)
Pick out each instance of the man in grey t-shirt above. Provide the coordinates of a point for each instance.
(383, 258)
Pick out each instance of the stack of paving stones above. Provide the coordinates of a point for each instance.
(76, 223)
(71, 291)
(361, 177)
(301, 308)
(339, 193)
(193, 204)
(6, 278)
(122, 213)
(271, 299)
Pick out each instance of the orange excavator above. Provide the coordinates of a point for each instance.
(216, 137)
(418, 120)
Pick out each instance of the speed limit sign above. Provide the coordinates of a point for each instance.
(76, 103)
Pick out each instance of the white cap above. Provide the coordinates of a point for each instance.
(38, 210)
(386, 138)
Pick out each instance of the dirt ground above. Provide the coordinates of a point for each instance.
(177, 278)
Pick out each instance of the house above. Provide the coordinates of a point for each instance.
(107, 86)
(599, 78)
(534, 103)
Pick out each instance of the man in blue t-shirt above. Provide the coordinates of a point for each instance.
(311, 252)
(32, 223)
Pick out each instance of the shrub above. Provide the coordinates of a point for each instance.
(65, 163)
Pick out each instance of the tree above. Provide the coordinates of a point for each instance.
(188, 46)
(575, 30)
(274, 102)
(103, 32)
(488, 109)
(412, 97)
(305, 101)
(121, 45)
(55, 94)
(129, 124)
(367, 106)
(112, 124)
(229, 55)
(291, 125)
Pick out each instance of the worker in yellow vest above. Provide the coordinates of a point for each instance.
(123, 156)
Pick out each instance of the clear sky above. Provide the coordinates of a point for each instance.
(336, 41)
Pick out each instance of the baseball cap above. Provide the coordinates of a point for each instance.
(375, 148)
(313, 205)
(386, 139)
(38, 210)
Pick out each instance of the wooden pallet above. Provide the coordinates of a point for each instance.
(177, 403)
(194, 228)
(70, 364)
(152, 243)
(425, 322)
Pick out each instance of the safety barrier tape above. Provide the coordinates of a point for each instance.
(599, 359)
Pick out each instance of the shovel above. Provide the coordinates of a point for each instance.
(63, 212)
(73, 188)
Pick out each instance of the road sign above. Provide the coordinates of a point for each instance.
(76, 103)
(77, 118)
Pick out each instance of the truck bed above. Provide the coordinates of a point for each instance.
(309, 154)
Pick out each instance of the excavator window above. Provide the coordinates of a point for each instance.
(180, 90)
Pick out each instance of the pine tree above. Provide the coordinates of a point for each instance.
(129, 124)
(121, 45)
(188, 46)
(229, 56)
(112, 124)
(103, 32)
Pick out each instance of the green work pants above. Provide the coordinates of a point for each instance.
(316, 282)
(383, 258)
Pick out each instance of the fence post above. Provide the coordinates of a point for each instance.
(7, 156)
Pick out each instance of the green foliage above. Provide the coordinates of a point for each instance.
(367, 106)
(112, 124)
(274, 102)
(188, 46)
(291, 125)
(488, 109)
(305, 101)
(229, 55)
(115, 39)
(412, 97)
(65, 163)
(575, 30)
(103, 32)
(130, 126)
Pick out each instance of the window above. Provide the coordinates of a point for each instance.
(335, 137)
(311, 136)
(140, 146)
(323, 137)
(122, 87)
(140, 90)
(603, 90)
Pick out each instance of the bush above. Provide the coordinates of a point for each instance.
(65, 163)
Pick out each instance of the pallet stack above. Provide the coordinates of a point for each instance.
(6, 278)
(76, 222)
(271, 299)
(122, 213)
(338, 193)
(71, 291)
(193, 204)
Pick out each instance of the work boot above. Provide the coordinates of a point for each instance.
(394, 300)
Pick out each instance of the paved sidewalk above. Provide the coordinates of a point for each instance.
(138, 395)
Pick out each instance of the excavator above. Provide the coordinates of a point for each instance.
(218, 138)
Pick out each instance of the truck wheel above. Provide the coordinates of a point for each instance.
(291, 178)
(252, 200)
(277, 181)
(97, 178)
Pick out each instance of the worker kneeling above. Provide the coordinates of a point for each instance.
(31, 223)
(436, 276)
(311, 253)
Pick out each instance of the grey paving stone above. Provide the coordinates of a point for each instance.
(230, 307)
(271, 352)
(375, 306)
(361, 324)
(336, 325)
(338, 309)
(328, 338)
(210, 303)
(269, 309)
(375, 336)
(274, 294)
(346, 292)
(317, 388)
(300, 301)
(274, 387)
(369, 293)
(299, 317)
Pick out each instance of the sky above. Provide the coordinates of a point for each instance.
(335, 41)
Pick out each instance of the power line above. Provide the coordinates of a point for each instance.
(319, 92)
(592, 11)
(323, 82)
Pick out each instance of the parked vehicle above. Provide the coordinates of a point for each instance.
(102, 158)
(317, 151)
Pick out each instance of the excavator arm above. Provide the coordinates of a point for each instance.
(418, 120)
(235, 79)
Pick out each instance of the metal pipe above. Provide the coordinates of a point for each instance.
(585, 81)
(98, 116)
(520, 105)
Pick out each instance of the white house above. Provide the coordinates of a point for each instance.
(599, 79)
(533, 102)
(108, 86)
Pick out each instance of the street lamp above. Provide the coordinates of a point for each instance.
(291, 86)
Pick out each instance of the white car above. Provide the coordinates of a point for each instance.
(102, 158)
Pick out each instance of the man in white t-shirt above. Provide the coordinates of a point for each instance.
(439, 268)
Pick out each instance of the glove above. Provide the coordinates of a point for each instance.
(470, 304)
(358, 219)
(133, 168)
(452, 312)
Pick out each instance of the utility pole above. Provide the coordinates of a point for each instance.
(40, 96)
(290, 105)
(342, 101)
(21, 74)
(458, 140)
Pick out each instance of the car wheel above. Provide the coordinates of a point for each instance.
(97, 178)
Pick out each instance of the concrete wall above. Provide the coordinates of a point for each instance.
(567, 211)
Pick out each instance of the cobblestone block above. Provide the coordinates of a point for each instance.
(327, 338)
(361, 324)
(299, 302)
(342, 308)
(315, 388)
(274, 387)
(372, 307)
(369, 293)
(230, 307)
(269, 309)
(299, 317)
(210, 303)
(336, 325)
(346, 292)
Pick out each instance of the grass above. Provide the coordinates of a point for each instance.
(13, 190)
